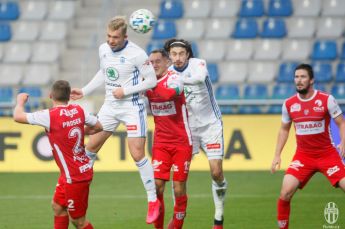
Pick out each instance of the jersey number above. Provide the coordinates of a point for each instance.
(76, 132)
(70, 204)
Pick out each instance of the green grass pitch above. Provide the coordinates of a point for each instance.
(117, 200)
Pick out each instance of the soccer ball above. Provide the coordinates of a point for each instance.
(141, 21)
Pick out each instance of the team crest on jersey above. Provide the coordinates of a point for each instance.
(122, 59)
(295, 107)
(112, 73)
(306, 112)
(319, 107)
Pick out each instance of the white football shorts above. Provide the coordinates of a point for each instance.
(210, 139)
(134, 117)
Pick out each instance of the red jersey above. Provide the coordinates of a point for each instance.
(65, 130)
(168, 107)
(311, 119)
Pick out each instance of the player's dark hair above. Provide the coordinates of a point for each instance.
(306, 67)
(161, 51)
(61, 91)
(179, 43)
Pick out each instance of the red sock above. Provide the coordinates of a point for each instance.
(283, 213)
(89, 226)
(159, 223)
(180, 211)
(61, 222)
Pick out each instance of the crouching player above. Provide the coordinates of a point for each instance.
(172, 146)
(64, 125)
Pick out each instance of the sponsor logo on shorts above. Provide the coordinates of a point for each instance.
(213, 146)
(85, 168)
(186, 166)
(295, 107)
(332, 170)
(156, 164)
(296, 165)
(174, 168)
(131, 127)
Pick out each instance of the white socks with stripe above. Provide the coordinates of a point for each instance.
(219, 191)
(146, 174)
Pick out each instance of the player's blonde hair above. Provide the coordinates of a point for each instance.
(118, 22)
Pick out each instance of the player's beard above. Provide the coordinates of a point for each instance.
(303, 91)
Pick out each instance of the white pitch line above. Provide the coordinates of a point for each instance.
(196, 196)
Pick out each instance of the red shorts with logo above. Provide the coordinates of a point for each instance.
(74, 197)
(171, 157)
(304, 165)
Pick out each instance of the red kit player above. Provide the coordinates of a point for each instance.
(311, 112)
(172, 146)
(64, 125)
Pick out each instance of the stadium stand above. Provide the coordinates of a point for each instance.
(246, 43)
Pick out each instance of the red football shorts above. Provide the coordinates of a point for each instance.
(171, 157)
(74, 197)
(304, 165)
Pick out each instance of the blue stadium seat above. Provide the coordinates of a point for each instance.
(195, 49)
(213, 72)
(171, 9)
(9, 10)
(286, 72)
(274, 109)
(5, 32)
(283, 91)
(342, 55)
(278, 8)
(320, 86)
(34, 92)
(340, 75)
(246, 28)
(249, 109)
(226, 109)
(273, 28)
(6, 94)
(164, 30)
(229, 91)
(255, 91)
(324, 50)
(322, 72)
(252, 8)
(154, 44)
(338, 91)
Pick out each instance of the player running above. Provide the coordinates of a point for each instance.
(64, 125)
(204, 116)
(123, 65)
(311, 112)
(172, 146)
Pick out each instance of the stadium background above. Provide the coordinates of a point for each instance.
(251, 47)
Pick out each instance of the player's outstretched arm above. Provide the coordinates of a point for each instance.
(76, 93)
(19, 114)
(281, 141)
(90, 130)
(97, 80)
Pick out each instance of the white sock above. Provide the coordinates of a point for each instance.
(219, 191)
(92, 156)
(146, 174)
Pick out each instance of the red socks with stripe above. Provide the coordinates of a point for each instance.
(180, 211)
(159, 223)
(283, 213)
(61, 222)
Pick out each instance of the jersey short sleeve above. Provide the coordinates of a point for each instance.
(333, 107)
(175, 81)
(285, 114)
(40, 118)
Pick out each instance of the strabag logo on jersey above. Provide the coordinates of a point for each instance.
(311, 127)
(68, 113)
(112, 73)
(295, 107)
(163, 109)
(319, 107)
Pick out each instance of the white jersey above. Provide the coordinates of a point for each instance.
(124, 68)
(201, 103)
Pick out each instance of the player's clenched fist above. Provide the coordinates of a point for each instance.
(118, 93)
(76, 93)
(22, 98)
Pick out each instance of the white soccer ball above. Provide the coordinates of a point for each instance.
(142, 20)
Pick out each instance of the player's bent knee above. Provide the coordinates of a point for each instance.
(58, 209)
(79, 223)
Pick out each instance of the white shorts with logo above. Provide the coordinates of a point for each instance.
(133, 116)
(210, 139)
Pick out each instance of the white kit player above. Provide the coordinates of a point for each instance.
(126, 72)
(204, 116)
